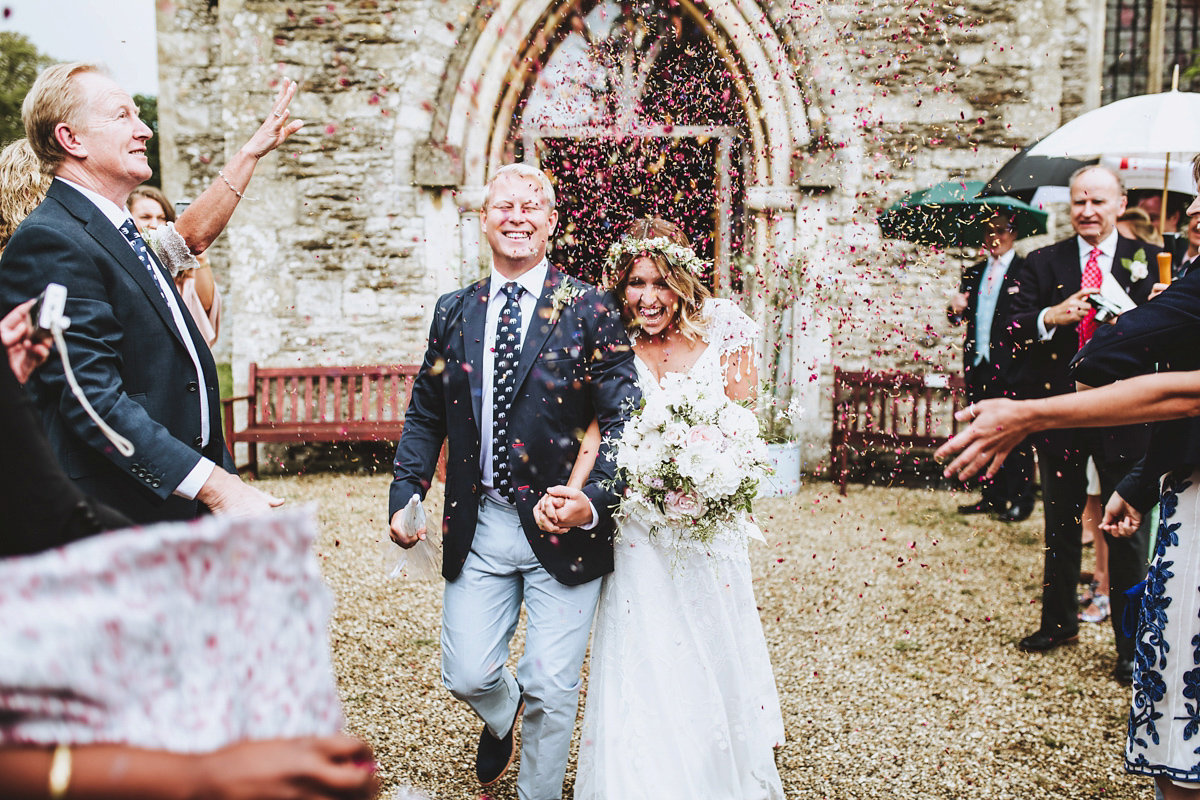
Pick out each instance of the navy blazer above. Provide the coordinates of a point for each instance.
(127, 355)
(999, 349)
(576, 365)
(1162, 335)
(1041, 369)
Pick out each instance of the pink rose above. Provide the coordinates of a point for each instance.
(704, 434)
(680, 504)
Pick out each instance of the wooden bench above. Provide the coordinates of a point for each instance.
(300, 405)
(893, 411)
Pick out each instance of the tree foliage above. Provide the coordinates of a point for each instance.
(20, 63)
(148, 111)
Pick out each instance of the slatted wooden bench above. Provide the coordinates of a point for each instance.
(303, 405)
(896, 412)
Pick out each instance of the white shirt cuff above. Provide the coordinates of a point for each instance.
(194, 482)
(595, 519)
(1044, 333)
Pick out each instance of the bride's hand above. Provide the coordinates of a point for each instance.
(570, 508)
(545, 514)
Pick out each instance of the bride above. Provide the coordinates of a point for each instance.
(681, 701)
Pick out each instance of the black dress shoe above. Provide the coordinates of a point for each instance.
(1040, 641)
(982, 507)
(1017, 512)
(495, 756)
(1124, 671)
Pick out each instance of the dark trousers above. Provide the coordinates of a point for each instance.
(1013, 483)
(1063, 462)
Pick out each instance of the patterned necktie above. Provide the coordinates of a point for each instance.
(139, 247)
(507, 354)
(1092, 278)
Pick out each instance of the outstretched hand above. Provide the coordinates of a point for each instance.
(275, 129)
(228, 494)
(307, 769)
(997, 426)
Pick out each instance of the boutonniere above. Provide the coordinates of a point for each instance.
(564, 293)
(1138, 266)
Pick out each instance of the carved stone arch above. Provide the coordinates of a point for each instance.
(499, 50)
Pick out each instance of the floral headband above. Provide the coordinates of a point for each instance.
(677, 255)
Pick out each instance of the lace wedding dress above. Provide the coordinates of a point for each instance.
(681, 701)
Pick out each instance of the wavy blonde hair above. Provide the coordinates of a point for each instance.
(691, 290)
(23, 186)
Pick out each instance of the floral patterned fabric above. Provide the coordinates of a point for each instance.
(1164, 722)
(183, 636)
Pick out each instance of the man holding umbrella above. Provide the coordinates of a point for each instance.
(983, 304)
(1052, 316)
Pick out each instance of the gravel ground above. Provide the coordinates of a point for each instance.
(891, 621)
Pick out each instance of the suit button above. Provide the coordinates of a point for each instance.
(193, 386)
(155, 483)
(198, 441)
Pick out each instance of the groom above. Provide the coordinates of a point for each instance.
(517, 366)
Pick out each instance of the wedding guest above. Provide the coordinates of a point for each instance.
(144, 367)
(22, 186)
(1157, 336)
(1135, 223)
(151, 211)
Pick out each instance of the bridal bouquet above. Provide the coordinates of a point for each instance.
(691, 458)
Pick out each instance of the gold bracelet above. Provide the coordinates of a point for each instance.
(230, 185)
(60, 772)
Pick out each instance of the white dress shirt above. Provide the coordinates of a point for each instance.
(200, 473)
(1108, 250)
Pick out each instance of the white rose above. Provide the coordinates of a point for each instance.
(736, 421)
(675, 434)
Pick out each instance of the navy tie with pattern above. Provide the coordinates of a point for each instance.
(139, 247)
(507, 354)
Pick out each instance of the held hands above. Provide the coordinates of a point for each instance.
(224, 493)
(24, 355)
(1120, 518)
(561, 509)
(1071, 310)
(324, 768)
(276, 129)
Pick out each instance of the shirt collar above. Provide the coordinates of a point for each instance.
(1004, 260)
(531, 281)
(1108, 247)
(114, 212)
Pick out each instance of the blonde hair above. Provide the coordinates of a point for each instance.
(523, 171)
(23, 186)
(55, 98)
(1142, 226)
(691, 290)
(152, 193)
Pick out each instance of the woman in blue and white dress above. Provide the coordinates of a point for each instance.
(681, 700)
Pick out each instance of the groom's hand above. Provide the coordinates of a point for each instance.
(401, 537)
(563, 508)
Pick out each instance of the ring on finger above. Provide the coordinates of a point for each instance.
(278, 113)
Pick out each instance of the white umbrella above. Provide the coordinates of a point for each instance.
(1146, 125)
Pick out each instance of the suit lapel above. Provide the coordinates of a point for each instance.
(1066, 268)
(540, 326)
(474, 312)
(101, 229)
(1125, 249)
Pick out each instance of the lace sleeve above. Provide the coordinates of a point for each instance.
(171, 249)
(729, 329)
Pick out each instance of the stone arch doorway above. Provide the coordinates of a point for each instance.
(634, 112)
(481, 116)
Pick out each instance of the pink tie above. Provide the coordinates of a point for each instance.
(1092, 278)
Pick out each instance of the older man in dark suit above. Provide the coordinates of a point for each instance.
(134, 348)
(983, 303)
(1051, 319)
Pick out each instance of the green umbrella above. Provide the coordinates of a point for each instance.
(950, 215)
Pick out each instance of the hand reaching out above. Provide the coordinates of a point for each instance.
(275, 129)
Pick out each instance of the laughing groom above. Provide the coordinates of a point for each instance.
(517, 366)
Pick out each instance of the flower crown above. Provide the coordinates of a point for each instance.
(677, 255)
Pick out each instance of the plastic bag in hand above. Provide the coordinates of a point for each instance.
(422, 561)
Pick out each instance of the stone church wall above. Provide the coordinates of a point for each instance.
(340, 256)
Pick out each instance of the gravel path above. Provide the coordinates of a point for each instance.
(891, 621)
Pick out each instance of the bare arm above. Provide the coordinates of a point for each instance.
(586, 458)
(303, 769)
(997, 426)
(206, 287)
(205, 218)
